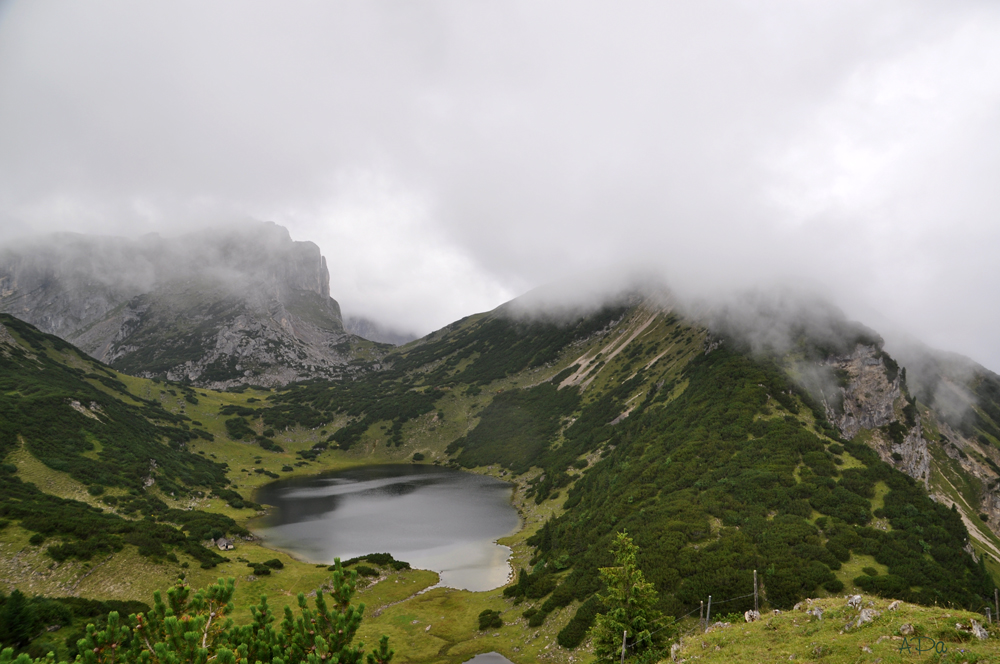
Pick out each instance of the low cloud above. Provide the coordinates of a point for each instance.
(449, 156)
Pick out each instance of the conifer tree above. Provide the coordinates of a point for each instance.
(193, 628)
(630, 609)
(17, 622)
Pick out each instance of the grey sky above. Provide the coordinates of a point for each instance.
(447, 156)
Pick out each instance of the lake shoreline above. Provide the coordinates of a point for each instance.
(310, 516)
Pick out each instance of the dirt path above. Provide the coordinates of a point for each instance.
(377, 612)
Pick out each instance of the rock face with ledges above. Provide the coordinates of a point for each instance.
(245, 304)
(869, 397)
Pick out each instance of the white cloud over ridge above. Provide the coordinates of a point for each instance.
(449, 155)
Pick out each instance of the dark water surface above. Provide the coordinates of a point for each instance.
(433, 518)
(489, 658)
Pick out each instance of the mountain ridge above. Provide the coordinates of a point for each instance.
(780, 437)
(218, 308)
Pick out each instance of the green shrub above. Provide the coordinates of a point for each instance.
(490, 619)
(537, 619)
(260, 569)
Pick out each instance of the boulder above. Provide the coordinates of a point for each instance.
(866, 616)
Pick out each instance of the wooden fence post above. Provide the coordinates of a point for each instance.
(756, 610)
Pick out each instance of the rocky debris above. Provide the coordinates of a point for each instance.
(80, 408)
(974, 628)
(816, 611)
(866, 616)
(906, 629)
(854, 602)
(675, 649)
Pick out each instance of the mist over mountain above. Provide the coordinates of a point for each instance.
(758, 431)
(231, 305)
(375, 331)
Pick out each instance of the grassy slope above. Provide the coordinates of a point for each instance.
(126, 575)
(795, 635)
(451, 614)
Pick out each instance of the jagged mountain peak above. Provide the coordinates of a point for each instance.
(241, 303)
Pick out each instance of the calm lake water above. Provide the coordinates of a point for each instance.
(489, 658)
(433, 518)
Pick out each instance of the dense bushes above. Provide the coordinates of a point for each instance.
(21, 618)
(516, 427)
(381, 559)
(500, 345)
(490, 619)
(65, 421)
(82, 531)
(705, 456)
(194, 627)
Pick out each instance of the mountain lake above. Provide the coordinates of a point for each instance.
(434, 518)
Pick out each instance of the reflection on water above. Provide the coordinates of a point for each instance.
(433, 518)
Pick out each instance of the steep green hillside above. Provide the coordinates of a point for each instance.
(715, 460)
(809, 462)
(74, 416)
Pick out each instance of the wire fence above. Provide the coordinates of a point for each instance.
(648, 637)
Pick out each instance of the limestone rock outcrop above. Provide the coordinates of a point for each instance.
(870, 398)
(239, 305)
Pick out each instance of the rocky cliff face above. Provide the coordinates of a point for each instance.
(868, 397)
(221, 308)
(950, 438)
(871, 399)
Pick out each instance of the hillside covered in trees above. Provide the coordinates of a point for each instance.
(813, 461)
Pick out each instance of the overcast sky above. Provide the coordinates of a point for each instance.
(447, 156)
